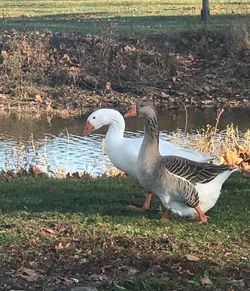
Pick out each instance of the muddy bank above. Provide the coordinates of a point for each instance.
(69, 74)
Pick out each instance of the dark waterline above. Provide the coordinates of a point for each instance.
(171, 120)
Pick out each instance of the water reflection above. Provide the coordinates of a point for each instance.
(65, 153)
(60, 144)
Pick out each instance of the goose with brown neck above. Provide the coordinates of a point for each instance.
(186, 187)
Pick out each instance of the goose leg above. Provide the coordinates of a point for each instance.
(165, 214)
(202, 216)
(146, 204)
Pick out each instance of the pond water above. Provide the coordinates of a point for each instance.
(59, 144)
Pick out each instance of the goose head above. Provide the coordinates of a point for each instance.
(143, 110)
(102, 117)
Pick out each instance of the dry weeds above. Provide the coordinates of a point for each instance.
(68, 74)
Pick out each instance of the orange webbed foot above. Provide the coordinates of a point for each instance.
(165, 215)
(203, 220)
(202, 216)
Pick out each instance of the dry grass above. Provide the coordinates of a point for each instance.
(94, 62)
(65, 74)
(228, 146)
(237, 39)
(34, 59)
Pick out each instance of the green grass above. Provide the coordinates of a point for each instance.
(13, 8)
(143, 16)
(95, 216)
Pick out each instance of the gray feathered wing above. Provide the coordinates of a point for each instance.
(192, 171)
(185, 174)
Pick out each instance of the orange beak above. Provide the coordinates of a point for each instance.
(132, 112)
(88, 128)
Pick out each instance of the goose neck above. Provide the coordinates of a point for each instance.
(151, 136)
(116, 128)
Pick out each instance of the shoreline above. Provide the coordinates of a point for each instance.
(34, 109)
(69, 74)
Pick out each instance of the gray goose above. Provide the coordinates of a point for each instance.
(186, 187)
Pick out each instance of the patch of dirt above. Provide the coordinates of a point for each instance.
(95, 261)
(67, 74)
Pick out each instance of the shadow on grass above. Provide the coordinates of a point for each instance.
(114, 246)
(94, 23)
(134, 263)
(103, 195)
(117, 196)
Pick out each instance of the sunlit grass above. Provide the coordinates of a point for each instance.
(102, 205)
(128, 16)
(113, 8)
(100, 215)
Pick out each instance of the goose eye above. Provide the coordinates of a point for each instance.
(93, 117)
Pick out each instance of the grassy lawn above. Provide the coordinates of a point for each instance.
(143, 16)
(72, 228)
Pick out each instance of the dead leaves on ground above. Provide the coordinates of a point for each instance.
(69, 261)
(106, 63)
(206, 281)
(115, 173)
(192, 258)
(31, 276)
(9, 175)
(27, 274)
(236, 153)
(35, 170)
(62, 246)
(38, 98)
(236, 157)
(50, 230)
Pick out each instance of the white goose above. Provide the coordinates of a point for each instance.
(123, 152)
(186, 187)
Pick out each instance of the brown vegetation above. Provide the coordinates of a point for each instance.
(57, 72)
